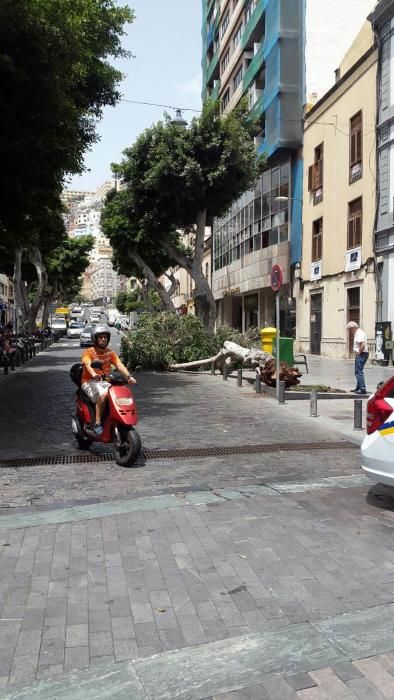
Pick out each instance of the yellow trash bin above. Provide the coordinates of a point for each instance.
(267, 337)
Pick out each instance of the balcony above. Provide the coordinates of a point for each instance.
(216, 89)
(258, 108)
(253, 68)
(252, 33)
(213, 68)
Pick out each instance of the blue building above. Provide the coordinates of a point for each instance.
(256, 48)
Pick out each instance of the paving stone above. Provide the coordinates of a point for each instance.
(100, 644)
(24, 669)
(300, 681)
(77, 635)
(76, 657)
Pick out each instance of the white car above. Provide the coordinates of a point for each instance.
(377, 450)
(75, 329)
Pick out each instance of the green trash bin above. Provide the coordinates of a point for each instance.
(286, 351)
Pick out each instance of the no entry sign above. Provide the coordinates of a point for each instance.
(276, 278)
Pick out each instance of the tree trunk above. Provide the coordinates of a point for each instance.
(35, 258)
(153, 280)
(262, 362)
(22, 302)
(202, 294)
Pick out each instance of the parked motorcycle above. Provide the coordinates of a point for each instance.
(118, 420)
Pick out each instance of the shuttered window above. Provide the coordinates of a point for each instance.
(315, 175)
(356, 146)
(317, 240)
(355, 224)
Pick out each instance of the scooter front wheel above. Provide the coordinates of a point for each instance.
(127, 445)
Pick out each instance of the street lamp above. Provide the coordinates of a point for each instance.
(287, 199)
(178, 120)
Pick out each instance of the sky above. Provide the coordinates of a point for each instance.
(166, 41)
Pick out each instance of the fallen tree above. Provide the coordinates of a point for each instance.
(233, 355)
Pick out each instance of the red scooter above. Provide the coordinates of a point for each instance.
(118, 420)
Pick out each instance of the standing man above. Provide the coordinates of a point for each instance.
(360, 348)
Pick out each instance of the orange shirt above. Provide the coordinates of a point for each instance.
(107, 356)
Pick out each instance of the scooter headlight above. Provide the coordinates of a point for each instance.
(124, 401)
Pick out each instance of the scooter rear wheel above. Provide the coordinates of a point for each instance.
(127, 450)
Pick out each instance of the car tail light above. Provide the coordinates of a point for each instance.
(378, 410)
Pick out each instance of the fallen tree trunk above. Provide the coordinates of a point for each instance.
(251, 358)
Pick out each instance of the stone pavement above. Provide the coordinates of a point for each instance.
(266, 576)
(265, 594)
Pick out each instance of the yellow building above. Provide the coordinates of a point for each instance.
(336, 280)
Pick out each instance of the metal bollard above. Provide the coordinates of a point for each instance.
(282, 392)
(258, 384)
(12, 362)
(225, 372)
(18, 358)
(313, 404)
(213, 368)
(239, 377)
(358, 414)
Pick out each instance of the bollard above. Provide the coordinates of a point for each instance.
(239, 377)
(258, 384)
(5, 366)
(282, 392)
(313, 404)
(358, 414)
(225, 372)
(18, 358)
(213, 368)
(12, 361)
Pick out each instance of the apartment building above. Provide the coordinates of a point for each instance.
(382, 21)
(7, 300)
(256, 49)
(336, 282)
(182, 297)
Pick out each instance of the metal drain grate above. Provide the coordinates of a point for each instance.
(182, 453)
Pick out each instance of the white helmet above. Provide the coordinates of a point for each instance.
(100, 330)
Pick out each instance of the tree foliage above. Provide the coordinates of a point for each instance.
(180, 179)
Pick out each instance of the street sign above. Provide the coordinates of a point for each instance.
(276, 278)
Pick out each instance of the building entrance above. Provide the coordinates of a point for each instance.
(316, 324)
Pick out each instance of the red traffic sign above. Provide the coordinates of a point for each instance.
(276, 278)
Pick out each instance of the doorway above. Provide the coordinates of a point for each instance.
(316, 323)
(353, 313)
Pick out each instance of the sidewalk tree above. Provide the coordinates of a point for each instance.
(182, 178)
(55, 80)
(135, 252)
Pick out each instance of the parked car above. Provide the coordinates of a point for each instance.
(75, 329)
(85, 339)
(377, 450)
(59, 326)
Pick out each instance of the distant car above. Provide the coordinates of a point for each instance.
(95, 318)
(377, 450)
(85, 339)
(75, 329)
(59, 326)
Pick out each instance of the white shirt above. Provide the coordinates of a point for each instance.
(359, 338)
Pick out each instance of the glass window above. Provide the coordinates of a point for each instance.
(238, 35)
(225, 24)
(283, 233)
(266, 181)
(273, 236)
(257, 208)
(225, 60)
(275, 178)
(237, 79)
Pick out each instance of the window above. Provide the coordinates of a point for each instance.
(315, 175)
(237, 79)
(356, 147)
(250, 6)
(355, 223)
(206, 270)
(225, 24)
(317, 240)
(225, 60)
(237, 36)
(225, 99)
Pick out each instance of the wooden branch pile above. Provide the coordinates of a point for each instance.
(233, 355)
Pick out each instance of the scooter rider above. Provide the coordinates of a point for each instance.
(93, 383)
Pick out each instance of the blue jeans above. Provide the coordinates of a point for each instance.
(359, 370)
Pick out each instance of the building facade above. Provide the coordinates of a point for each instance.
(256, 49)
(7, 300)
(382, 21)
(100, 282)
(182, 298)
(336, 282)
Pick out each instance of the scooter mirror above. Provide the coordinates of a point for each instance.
(138, 369)
(97, 364)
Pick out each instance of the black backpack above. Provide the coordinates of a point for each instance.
(76, 373)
